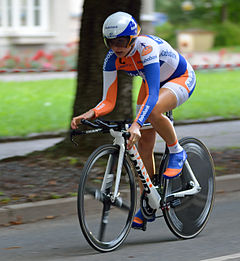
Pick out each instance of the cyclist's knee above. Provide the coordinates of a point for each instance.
(156, 115)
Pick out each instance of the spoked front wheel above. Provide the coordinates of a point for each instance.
(105, 222)
(187, 216)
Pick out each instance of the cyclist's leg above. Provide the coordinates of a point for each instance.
(168, 101)
(172, 95)
(145, 149)
(147, 141)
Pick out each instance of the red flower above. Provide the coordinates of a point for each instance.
(39, 54)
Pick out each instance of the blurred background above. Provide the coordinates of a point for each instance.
(51, 58)
(45, 33)
(64, 38)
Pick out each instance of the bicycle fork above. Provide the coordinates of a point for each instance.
(108, 177)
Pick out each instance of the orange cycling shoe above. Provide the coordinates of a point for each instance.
(175, 164)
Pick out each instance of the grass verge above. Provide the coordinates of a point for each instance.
(38, 106)
(216, 94)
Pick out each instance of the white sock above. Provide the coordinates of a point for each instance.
(175, 147)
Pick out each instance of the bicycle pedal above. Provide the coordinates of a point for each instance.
(143, 227)
(140, 228)
(175, 203)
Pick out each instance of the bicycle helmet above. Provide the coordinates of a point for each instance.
(118, 25)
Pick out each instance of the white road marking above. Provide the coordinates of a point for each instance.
(224, 258)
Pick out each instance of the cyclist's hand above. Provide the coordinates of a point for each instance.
(77, 120)
(135, 135)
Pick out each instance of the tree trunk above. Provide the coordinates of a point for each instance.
(91, 56)
(90, 62)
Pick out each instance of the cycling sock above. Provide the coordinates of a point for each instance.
(175, 147)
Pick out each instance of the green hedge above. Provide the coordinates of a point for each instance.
(226, 34)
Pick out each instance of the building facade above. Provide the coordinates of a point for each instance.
(38, 24)
(48, 24)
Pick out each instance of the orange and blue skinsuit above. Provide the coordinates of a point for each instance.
(157, 63)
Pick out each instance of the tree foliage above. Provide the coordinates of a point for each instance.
(208, 11)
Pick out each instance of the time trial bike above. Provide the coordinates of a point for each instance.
(107, 189)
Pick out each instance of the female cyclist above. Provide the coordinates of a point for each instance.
(168, 81)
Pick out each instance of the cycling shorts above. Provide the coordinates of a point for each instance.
(182, 87)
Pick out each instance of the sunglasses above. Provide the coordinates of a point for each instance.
(119, 42)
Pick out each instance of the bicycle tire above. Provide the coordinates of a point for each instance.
(187, 217)
(115, 222)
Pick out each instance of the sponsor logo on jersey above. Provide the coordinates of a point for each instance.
(168, 53)
(144, 112)
(108, 56)
(122, 66)
(100, 106)
(190, 81)
(156, 39)
(121, 61)
(147, 50)
(150, 58)
(134, 73)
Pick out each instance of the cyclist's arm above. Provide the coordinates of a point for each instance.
(152, 75)
(109, 94)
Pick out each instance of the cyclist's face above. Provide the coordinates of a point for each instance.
(119, 46)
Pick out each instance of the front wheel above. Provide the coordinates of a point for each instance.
(106, 223)
(186, 217)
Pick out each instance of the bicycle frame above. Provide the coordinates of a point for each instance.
(194, 183)
(149, 188)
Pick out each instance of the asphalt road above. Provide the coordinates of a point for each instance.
(61, 239)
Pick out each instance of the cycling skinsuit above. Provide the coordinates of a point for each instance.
(158, 64)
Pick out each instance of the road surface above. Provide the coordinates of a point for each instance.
(61, 240)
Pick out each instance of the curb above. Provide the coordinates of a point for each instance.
(32, 212)
(35, 136)
(49, 209)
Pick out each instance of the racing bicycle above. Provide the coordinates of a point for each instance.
(107, 189)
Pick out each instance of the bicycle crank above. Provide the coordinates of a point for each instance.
(147, 211)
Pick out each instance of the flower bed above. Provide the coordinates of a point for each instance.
(60, 59)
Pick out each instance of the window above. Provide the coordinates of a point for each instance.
(23, 14)
(37, 12)
(9, 12)
(1, 11)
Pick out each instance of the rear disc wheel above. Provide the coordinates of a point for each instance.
(186, 217)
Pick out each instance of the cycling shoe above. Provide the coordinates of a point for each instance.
(175, 164)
